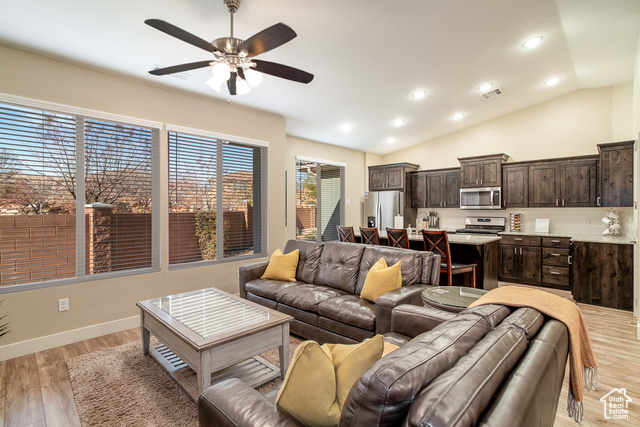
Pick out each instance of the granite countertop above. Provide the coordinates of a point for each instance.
(464, 239)
(575, 237)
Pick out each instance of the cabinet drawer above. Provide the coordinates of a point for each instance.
(520, 240)
(555, 257)
(556, 242)
(555, 275)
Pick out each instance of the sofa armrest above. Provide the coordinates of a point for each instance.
(385, 304)
(412, 320)
(249, 272)
(233, 403)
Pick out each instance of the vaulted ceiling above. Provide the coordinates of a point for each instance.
(368, 56)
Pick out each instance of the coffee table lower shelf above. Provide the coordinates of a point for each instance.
(254, 371)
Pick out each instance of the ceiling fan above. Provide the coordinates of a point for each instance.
(232, 62)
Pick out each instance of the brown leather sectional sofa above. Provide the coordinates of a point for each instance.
(486, 366)
(325, 301)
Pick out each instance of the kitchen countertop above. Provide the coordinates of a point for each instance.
(464, 239)
(575, 237)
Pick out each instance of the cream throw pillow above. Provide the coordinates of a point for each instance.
(320, 377)
(380, 280)
(282, 267)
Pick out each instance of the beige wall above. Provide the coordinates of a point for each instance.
(102, 306)
(566, 126)
(356, 171)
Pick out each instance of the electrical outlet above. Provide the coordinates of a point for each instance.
(586, 221)
(63, 304)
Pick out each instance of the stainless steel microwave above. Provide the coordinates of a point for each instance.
(481, 198)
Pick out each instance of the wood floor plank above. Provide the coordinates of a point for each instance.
(57, 395)
(134, 334)
(95, 344)
(73, 350)
(3, 390)
(23, 401)
(116, 339)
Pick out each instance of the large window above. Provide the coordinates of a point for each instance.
(319, 199)
(75, 196)
(216, 198)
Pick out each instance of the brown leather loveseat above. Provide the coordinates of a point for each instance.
(486, 366)
(325, 301)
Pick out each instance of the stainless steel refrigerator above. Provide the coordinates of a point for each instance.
(381, 208)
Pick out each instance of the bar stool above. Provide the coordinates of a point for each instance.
(370, 236)
(438, 243)
(398, 238)
(346, 234)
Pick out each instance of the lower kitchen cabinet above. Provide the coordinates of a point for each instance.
(556, 262)
(520, 259)
(603, 274)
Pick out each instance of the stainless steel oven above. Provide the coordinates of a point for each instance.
(481, 198)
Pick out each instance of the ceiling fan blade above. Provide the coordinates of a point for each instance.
(231, 83)
(179, 68)
(241, 73)
(283, 71)
(267, 39)
(181, 34)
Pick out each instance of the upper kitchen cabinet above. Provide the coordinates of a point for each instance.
(389, 177)
(418, 189)
(515, 186)
(563, 183)
(616, 174)
(443, 188)
(481, 171)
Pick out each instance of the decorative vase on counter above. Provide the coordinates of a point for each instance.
(611, 222)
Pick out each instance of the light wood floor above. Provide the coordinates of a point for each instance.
(35, 389)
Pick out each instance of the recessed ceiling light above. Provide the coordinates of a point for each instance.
(391, 140)
(485, 87)
(346, 127)
(419, 94)
(552, 81)
(457, 116)
(398, 122)
(532, 42)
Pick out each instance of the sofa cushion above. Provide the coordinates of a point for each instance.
(460, 395)
(301, 315)
(342, 332)
(309, 256)
(381, 279)
(430, 271)
(350, 309)
(306, 296)
(267, 288)
(385, 392)
(411, 264)
(340, 263)
(282, 266)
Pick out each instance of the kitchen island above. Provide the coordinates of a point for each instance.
(481, 250)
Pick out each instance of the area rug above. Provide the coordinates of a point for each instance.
(119, 386)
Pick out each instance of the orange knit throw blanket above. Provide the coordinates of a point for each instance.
(581, 357)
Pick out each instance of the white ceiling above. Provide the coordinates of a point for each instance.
(367, 56)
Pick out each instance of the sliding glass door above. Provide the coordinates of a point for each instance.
(319, 199)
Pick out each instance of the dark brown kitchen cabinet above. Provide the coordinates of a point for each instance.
(563, 183)
(520, 259)
(616, 174)
(419, 189)
(515, 186)
(481, 171)
(389, 177)
(603, 274)
(556, 262)
(443, 189)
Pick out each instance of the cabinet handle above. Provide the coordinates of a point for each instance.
(563, 202)
(599, 201)
(520, 251)
(557, 202)
(445, 203)
(517, 238)
(554, 254)
(480, 181)
(555, 241)
(554, 272)
(570, 259)
(515, 251)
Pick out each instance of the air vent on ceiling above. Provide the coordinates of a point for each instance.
(181, 76)
(490, 94)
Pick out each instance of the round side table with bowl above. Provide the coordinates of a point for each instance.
(451, 298)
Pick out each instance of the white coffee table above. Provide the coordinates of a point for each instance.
(209, 335)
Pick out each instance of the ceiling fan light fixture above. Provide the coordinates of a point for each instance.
(242, 87)
(253, 77)
(215, 83)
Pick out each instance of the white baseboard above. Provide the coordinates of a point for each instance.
(63, 338)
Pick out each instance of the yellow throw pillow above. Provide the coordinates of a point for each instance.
(350, 361)
(380, 280)
(282, 267)
(308, 392)
(320, 377)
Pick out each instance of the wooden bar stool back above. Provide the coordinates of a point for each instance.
(370, 236)
(346, 234)
(398, 238)
(438, 243)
